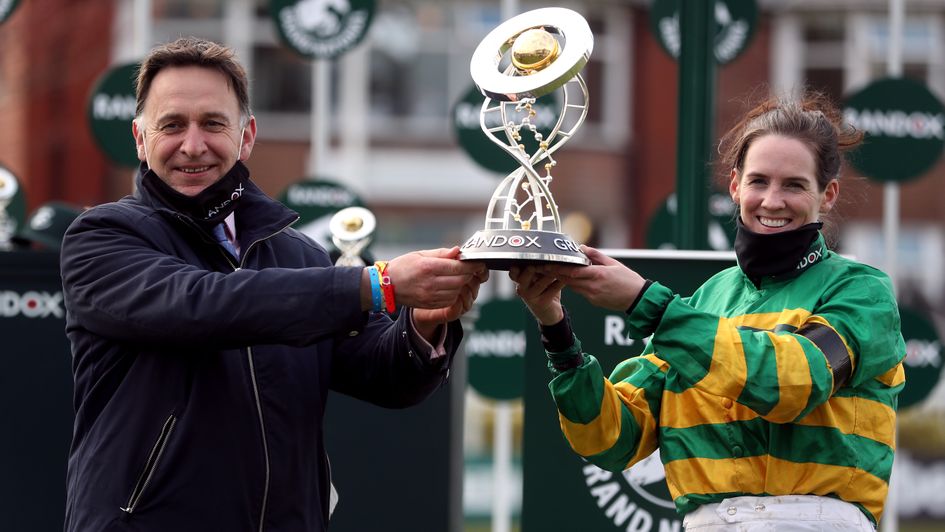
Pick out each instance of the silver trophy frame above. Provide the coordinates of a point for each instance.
(522, 222)
(8, 190)
(351, 231)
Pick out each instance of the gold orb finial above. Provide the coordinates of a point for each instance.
(353, 223)
(534, 49)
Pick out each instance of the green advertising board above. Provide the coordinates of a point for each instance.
(316, 201)
(473, 140)
(638, 499)
(735, 26)
(923, 362)
(6, 9)
(110, 112)
(660, 233)
(322, 29)
(495, 349)
(904, 127)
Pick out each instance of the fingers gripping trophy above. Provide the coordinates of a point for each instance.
(545, 50)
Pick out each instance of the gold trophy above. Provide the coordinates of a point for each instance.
(544, 50)
(351, 229)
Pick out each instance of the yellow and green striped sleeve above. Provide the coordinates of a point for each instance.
(611, 423)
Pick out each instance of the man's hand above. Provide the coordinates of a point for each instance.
(432, 279)
(436, 285)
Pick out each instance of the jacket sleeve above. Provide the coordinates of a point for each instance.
(784, 373)
(118, 283)
(382, 366)
(611, 423)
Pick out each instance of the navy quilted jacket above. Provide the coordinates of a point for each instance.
(201, 384)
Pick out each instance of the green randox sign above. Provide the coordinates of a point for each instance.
(496, 349)
(735, 26)
(322, 29)
(316, 201)
(635, 500)
(486, 153)
(110, 113)
(904, 125)
(923, 362)
(6, 8)
(721, 230)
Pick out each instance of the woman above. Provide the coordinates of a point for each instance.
(771, 391)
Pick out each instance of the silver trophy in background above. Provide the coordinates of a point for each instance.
(351, 230)
(544, 51)
(8, 189)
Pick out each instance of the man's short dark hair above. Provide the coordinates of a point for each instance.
(191, 51)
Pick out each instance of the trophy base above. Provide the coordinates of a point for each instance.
(501, 249)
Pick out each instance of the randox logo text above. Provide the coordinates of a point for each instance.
(917, 125)
(810, 258)
(31, 304)
(636, 500)
(237, 193)
(497, 241)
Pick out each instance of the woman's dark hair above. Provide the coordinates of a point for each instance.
(811, 119)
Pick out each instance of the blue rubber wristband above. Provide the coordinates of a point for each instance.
(377, 298)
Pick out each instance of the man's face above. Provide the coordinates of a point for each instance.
(189, 132)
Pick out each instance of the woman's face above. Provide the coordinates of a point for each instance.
(777, 189)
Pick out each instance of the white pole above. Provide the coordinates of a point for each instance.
(142, 27)
(891, 233)
(238, 31)
(502, 441)
(501, 467)
(354, 104)
(509, 9)
(320, 97)
(891, 192)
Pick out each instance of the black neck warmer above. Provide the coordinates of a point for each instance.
(208, 208)
(781, 255)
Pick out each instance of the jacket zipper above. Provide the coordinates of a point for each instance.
(249, 357)
(262, 431)
(244, 254)
(150, 466)
(252, 375)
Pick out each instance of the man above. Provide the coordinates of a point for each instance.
(206, 333)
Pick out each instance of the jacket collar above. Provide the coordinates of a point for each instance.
(816, 253)
(257, 215)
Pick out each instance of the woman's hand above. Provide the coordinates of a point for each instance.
(541, 293)
(606, 283)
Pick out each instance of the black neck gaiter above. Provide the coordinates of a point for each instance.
(782, 255)
(208, 208)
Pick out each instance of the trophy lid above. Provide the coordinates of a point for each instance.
(352, 224)
(548, 66)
